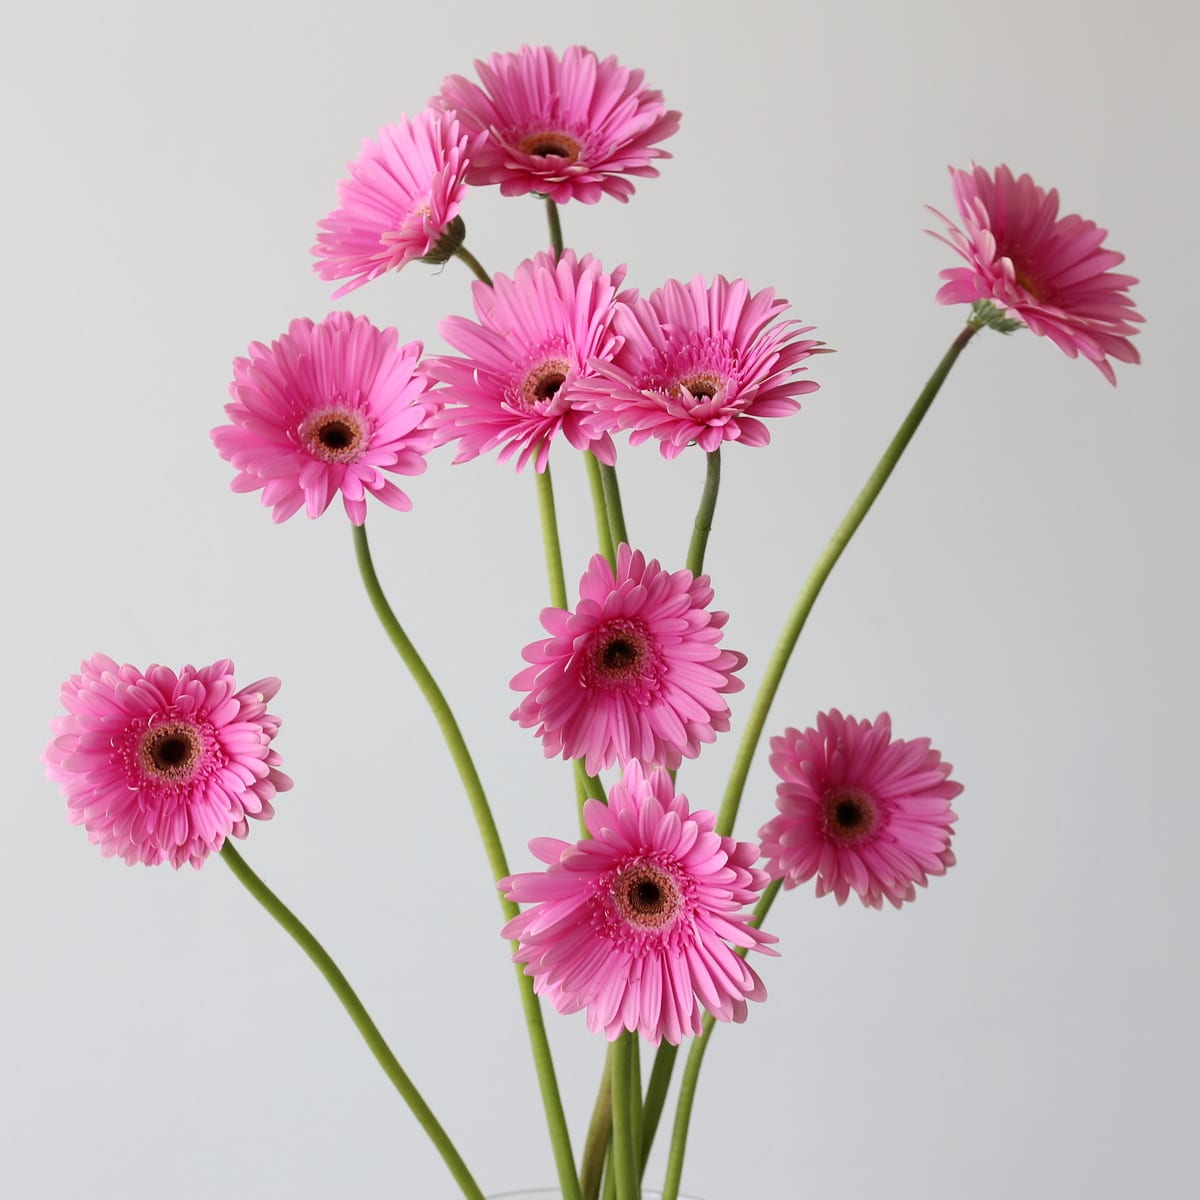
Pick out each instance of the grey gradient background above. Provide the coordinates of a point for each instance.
(1025, 594)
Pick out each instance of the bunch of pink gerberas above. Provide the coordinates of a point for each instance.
(643, 923)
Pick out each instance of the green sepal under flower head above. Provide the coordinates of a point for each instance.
(984, 312)
(445, 248)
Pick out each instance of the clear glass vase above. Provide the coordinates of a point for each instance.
(555, 1194)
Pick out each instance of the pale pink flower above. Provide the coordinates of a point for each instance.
(325, 409)
(635, 923)
(536, 333)
(400, 201)
(860, 811)
(163, 767)
(634, 672)
(702, 364)
(1051, 272)
(570, 128)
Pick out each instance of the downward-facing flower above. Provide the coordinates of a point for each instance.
(401, 201)
(163, 767)
(325, 409)
(635, 923)
(517, 388)
(570, 128)
(1051, 272)
(634, 672)
(860, 811)
(702, 364)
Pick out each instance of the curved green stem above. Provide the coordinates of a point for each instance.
(560, 1139)
(612, 503)
(596, 484)
(599, 1135)
(816, 581)
(550, 542)
(358, 1014)
(555, 223)
(476, 266)
(704, 514)
(624, 1161)
(656, 1096)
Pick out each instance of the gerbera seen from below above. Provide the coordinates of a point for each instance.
(859, 810)
(517, 387)
(634, 672)
(702, 364)
(572, 128)
(400, 203)
(328, 408)
(162, 766)
(636, 923)
(1051, 272)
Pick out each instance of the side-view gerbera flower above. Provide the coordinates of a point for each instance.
(634, 672)
(536, 333)
(859, 810)
(702, 364)
(163, 766)
(1051, 272)
(636, 923)
(328, 408)
(401, 201)
(572, 128)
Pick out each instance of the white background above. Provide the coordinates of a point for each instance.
(1025, 594)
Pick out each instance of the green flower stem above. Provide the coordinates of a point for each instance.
(612, 503)
(596, 484)
(550, 542)
(358, 1014)
(624, 1164)
(599, 1135)
(704, 514)
(476, 266)
(556, 1121)
(691, 1069)
(552, 219)
(816, 581)
(656, 1096)
(591, 785)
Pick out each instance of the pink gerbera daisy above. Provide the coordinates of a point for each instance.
(163, 767)
(401, 201)
(702, 364)
(635, 923)
(518, 384)
(634, 672)
(858, 810)
(1052, 272)
(327, 408)
(570, 128)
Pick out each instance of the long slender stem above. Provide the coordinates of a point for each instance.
(476, 266)
(624, 1164)
(556, 1121)
(704, 514)
(816, 581)
(596, 484)
(550, 542)
(656, 1095)
(599, 1135)
(555, 223)
(358, 1014)
(612, 502)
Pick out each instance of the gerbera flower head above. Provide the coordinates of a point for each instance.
(634, 672)
(702, 364)
(636, 922)
(160, 766)
(517, 387)
(572, 128)
(1051, 272)
(859, 810)
(325, 409)
(401, 201)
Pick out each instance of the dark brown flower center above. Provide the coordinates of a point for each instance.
(170, 750)
(335, 436)
(647, 896)
(850, 815)
(542, 384)
(619, 653)
(551, 144)
(700, 386)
